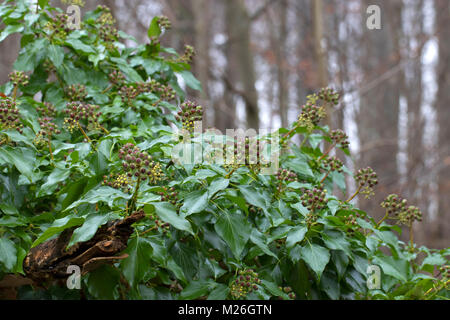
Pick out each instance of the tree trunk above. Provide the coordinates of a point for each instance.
(238, 27)
(379, 106)
(441, 232)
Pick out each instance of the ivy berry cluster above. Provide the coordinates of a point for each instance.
(118, 181)
(58, 25)
(18, 78)
(397, 208)
(116, 78)
(367, 178)
(108, 34)
(312, 113)
(163, 91)
(188, 54)
(329, 95)
(76, 92)
(139, 164)
(190, 113)
(314, 199)
(77, 111)
(246, 282)
(9, 115)
(169, 195)
(333, 164)
(410, 215)
(284, 175)
(351, 223)
(48, 129)
(339, 137)
(163, 22)
(47, 110)
(128, 93)
(288, 291)
(160, 225)
(106, 17)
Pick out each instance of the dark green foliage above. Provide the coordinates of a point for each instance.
(211, 230)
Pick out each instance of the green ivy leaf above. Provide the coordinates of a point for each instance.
(89, 227)
(196, 289)
(103, 283)
(8, 253)
(56, 55)
(195, 202)
(153, 28)
(253, 197)
(336, 240)
(190, 80)
(10, 29)
(101, 194)
(316, 257)
(24, 160)
(273, 289)
(136, 265)
(58, 226)
(168, 213)
(53, 179)
(257, 238)
(235, 230)
(221, 292)
(217, 185)
(78, 45)
(396, 268)
(295, 235)
(300, 166)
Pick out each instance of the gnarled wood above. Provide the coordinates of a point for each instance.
(49, 260)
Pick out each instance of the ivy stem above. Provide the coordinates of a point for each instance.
(50, 150)
(134, 198)
(290, 132)
(157, 102)
(411, 236)
(230, 173)
(304, 141)
(355, 194)
(148, 230)
(327, 152)
(382, 219)
(107, 89)
(15, 92)
(438, 288)
(323, 179)
(104, 129)
(84, 133)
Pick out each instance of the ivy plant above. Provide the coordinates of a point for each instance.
(87, 137)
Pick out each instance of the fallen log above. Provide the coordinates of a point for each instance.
(49, 261)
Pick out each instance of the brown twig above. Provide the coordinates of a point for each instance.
(134, 198)
(355, 194)
(84, 133)
(327, 152)
(50, 150)
(323, 179)
(148, 230)
(15, 92)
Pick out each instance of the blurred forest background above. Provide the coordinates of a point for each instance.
(257, 61)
